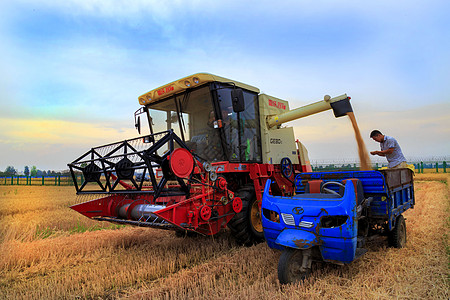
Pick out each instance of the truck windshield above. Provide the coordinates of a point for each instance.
(191, 116)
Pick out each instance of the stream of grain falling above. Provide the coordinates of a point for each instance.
(364, 158)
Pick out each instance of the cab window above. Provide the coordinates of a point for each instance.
(241, 130)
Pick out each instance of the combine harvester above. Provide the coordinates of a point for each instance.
(213, 145)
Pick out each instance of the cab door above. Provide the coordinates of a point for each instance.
(241, 132)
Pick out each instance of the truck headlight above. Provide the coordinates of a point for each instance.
(306, 224)
(288, 219)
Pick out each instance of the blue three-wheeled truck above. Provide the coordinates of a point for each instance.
(332, 215)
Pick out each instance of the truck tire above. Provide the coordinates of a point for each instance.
(289, 266)
(397, 237)
(246, 226)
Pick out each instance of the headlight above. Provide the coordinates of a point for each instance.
(306, 224)
(288, 219)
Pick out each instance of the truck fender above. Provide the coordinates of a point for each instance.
(297, 239)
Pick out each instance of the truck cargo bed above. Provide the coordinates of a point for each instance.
(391, 190)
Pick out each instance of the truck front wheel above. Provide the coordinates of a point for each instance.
(246, 225)
(292, 268)
(397, 237)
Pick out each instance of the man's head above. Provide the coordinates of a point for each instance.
(377, 136)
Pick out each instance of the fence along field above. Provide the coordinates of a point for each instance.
(39, 180)
(48, 251)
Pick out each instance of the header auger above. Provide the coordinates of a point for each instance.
(212, 145)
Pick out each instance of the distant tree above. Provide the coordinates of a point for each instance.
(33, 171)
(44, 173)
(26, 171)
(39, 173)
(10, 170)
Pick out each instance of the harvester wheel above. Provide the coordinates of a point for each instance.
(397, 237)
(290, 266)
(246, 226)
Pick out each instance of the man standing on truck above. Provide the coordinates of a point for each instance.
(390, 149)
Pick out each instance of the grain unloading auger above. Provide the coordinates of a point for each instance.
(216, 144)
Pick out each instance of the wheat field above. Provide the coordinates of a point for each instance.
(48, 251)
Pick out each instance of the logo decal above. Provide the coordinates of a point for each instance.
(297, 210)
(165, 90)
(276, 104)
(276, 141)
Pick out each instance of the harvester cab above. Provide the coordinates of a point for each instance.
(212, 144)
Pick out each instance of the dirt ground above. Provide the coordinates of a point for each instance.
(48, 251)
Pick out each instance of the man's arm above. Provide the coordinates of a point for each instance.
(383, 153)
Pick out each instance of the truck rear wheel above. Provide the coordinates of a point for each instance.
(397, 237)
(246, 225)
(290, 266)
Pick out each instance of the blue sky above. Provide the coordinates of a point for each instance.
(71, 71)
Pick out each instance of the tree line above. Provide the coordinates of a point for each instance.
(33, 172)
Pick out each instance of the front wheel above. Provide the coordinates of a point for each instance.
(246, 225)
(291, 266)
(397, 237)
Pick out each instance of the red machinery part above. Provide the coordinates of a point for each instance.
(205, 213)
(221, 183)
(237, 204)
(181, 162)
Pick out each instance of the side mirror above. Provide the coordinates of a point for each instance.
(138, 124)
(237, 98)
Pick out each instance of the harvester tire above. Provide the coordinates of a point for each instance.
(289, 266)
(246, 226)
(397, 237)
